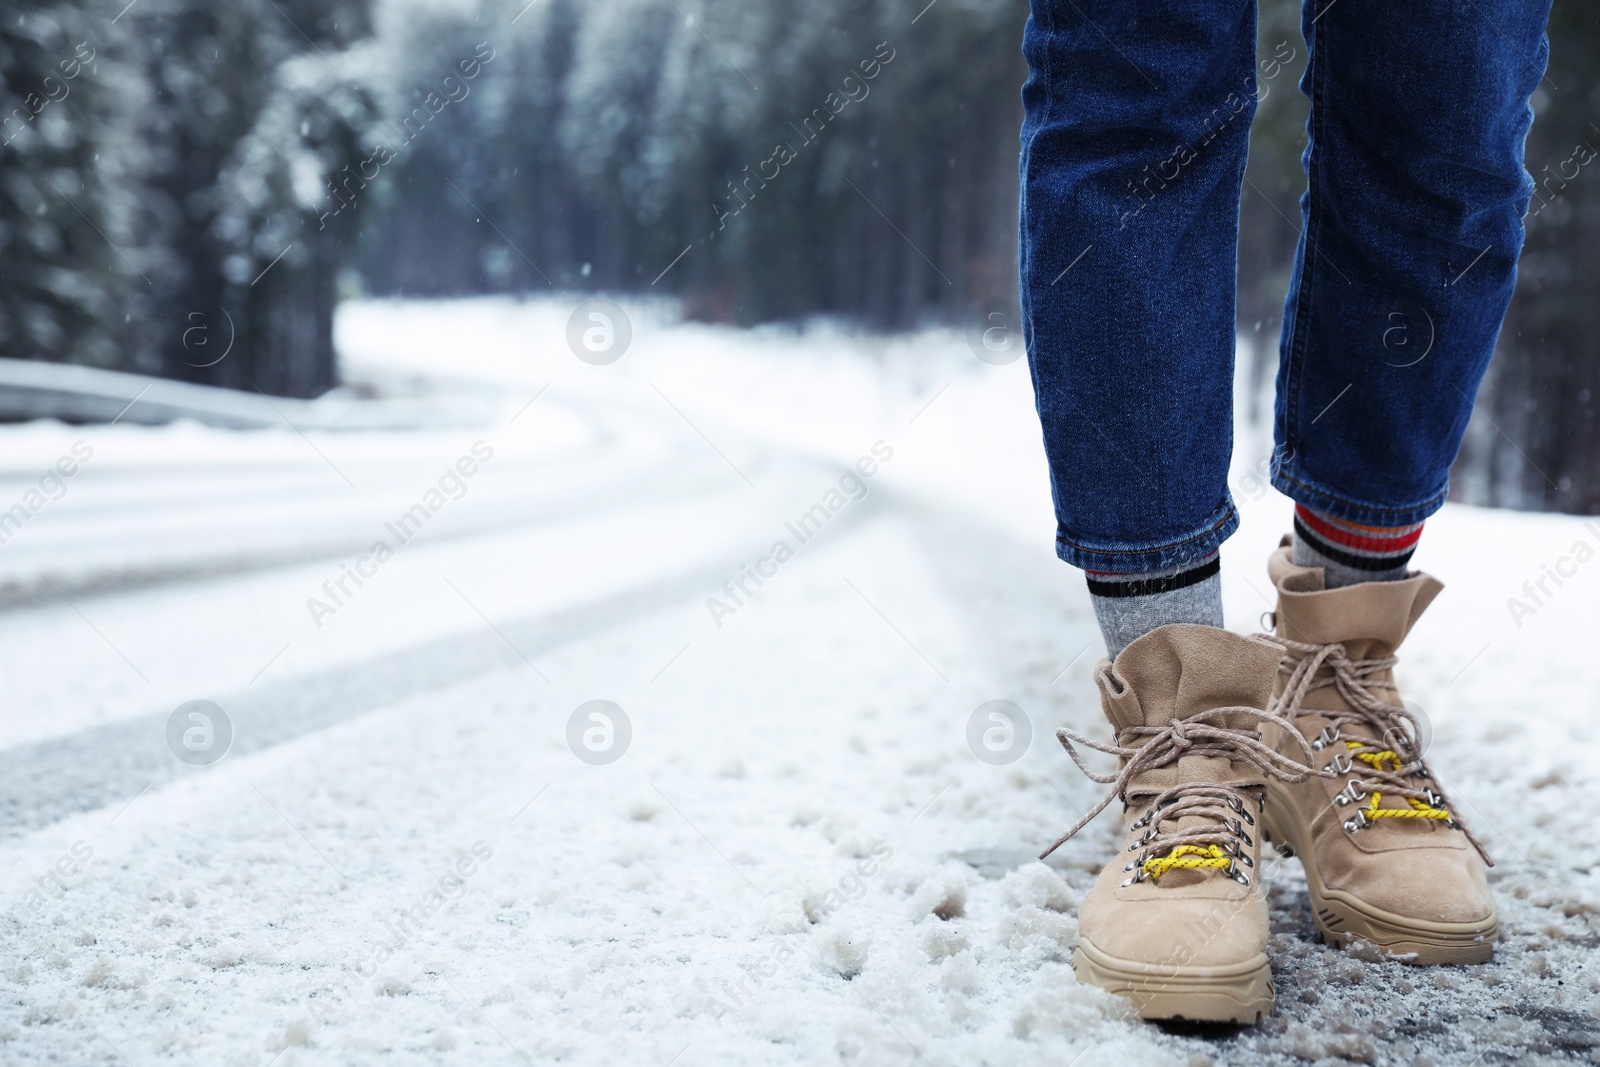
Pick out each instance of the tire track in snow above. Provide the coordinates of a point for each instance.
(45, 781)
(186, 551)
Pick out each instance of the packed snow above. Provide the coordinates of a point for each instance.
(775, 845)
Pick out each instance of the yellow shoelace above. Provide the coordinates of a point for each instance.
(1209, 856)
(1388, 760)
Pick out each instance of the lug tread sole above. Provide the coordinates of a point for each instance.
(1241, 994)
(1340, 918)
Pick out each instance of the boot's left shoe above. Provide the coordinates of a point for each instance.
(1386, 856)
(1177, 921)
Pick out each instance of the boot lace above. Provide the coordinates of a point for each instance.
(1382, 738)
(1218, 837)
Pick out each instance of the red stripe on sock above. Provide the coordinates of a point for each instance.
(1387, 546)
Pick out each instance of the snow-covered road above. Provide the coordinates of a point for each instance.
(409, 855)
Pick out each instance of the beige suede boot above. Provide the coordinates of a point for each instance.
(1177, 923)
(1386, 857)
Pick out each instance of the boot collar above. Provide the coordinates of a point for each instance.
(1370, 620)
(1176, 671)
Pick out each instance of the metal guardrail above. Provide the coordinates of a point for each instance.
(31, 389)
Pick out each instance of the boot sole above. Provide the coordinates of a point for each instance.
(1340, 918)
(1239, 993)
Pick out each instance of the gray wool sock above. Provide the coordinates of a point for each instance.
(1128, 606)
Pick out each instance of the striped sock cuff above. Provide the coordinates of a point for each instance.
(1363, 548)
(1152, 583)
(1128, 606)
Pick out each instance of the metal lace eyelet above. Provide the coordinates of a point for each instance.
(1327, 737)
(1236, 853)
(1350, 794)
(1340, 764)
(1356, 822)
(1269, 620)
(1238, 806)
(1138, 876)
(1434, 799)
(1238, 875)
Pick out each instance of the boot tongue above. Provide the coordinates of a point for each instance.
(1177, 671)
(1370, 619)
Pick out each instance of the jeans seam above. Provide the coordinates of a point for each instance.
(1025, 245)
(1049, 65)
(1227, 514)
(1299, 340)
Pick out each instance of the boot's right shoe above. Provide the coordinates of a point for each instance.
(1178, 922)
(1386, 856)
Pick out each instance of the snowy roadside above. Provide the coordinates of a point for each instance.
(797, 859)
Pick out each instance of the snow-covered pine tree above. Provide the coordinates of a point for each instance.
(250, 110)
(65, 249)
(531, 191)
(442, 201)
(289, 196)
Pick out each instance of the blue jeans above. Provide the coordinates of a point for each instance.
(1136, 123)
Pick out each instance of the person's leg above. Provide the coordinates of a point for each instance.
(1137, 116)
(1406, 265)
(1412, 223)
(1136, 119)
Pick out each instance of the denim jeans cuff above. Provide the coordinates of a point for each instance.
(1318, 497)
(1123, 558)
